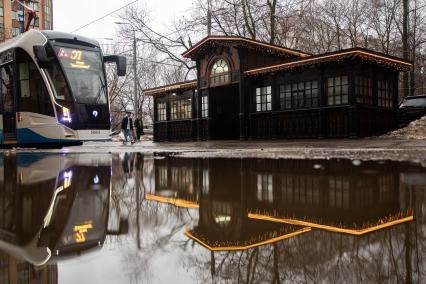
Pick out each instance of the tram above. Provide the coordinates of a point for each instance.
(55, 206)
(53, 90)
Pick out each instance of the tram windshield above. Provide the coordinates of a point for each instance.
(84, 70)
(88, 218)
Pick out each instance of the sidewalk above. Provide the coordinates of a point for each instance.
(364, 149)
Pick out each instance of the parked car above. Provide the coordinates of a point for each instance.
(411, 108)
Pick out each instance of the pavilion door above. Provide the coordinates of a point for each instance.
(224, 103)
(8, 102)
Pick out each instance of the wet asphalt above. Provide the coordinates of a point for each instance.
(362, 149)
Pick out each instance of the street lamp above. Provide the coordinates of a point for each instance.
(103, 42)
(135, 81)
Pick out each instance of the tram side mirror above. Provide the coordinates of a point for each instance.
(120, 61)
(41, 55)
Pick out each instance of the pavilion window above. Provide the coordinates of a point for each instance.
(263, 99)
(206, 182)
(285, 96)
(301, 189)
(181, 109)
(182, 180)
(337, 90)
(204, 106)
(220, 73)
(222, 213)
(163, 177)
(298, 92)
(265, 188)
(162, 111)
(299, 95)
(311, 94)
(363, 90)
(386, 185)
(385, 93)
(338, 192)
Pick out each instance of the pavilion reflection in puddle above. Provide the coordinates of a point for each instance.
(244, 203)
(53, 206)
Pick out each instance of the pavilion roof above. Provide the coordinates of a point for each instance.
(262, 238)
(361, 53)
(171, 88)
(354, 229)
(178, 202)
(210, 41)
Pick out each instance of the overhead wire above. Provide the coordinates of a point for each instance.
(104, 16)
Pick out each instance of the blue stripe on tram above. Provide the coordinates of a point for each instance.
(26, 135)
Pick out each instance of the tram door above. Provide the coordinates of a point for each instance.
(8, 102)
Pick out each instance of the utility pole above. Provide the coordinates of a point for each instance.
(405, 47)
(209, 18)
(135, 79)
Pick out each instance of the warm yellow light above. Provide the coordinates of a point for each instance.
(171, 87)
(66, 114)
(260, 243)
(174, 201)
(83, 228)
(80, 232)
(328, 227)
(255, 42)
(65, 111)
(80, 66)
(67, 182)
(314, 58)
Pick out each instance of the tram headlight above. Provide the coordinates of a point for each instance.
(96, 179)
(67, 179)
(66, 115)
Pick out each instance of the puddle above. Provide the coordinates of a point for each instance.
(129, 218)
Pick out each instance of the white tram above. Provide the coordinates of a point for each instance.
(53, 90)
(54, 206)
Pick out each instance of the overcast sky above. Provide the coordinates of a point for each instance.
(71, 15)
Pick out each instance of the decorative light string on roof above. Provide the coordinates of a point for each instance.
(171, 88)
(383, 60)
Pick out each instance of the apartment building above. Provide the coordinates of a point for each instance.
(13, 17)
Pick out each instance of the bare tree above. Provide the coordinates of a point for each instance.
(395, 27)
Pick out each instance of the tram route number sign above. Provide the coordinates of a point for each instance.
(74, 57)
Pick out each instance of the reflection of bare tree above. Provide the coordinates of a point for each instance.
(392, 255)
(152, 226)
(388, 256)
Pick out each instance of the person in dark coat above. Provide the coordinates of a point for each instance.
(127, 128)
(139, 128)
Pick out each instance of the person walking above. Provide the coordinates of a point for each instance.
(139, 128)
(127, 128)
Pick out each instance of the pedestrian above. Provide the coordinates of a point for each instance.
(139, 128)
(127, 164)
(127, 128)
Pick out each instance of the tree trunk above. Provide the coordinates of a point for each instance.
(405, 48)
(272, 8)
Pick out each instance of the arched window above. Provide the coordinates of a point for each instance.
(220, 73)
(222, 212)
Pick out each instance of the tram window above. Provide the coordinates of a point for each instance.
(58, 80)
(7, 88)
(25, 80)
(34, 96)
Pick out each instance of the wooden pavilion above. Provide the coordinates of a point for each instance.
(247, 89)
